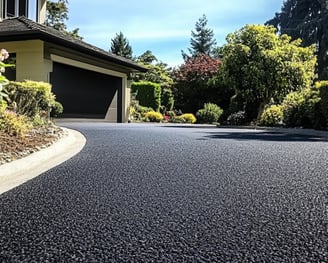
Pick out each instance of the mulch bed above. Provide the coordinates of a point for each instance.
(13, 147)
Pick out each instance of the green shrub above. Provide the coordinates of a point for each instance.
(167, 99)
(153, 116)
(272, 116)
(40, 119)
(56, 109)
(323, 93)
(30, 97)
(137, 112)
(143, 110)
(3, 106)
(299, 108)
(178, 119)
(237, 118)
(14, 124)
(209, 114)
(148, 94)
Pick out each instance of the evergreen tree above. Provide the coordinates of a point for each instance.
(202, 40)
(57, 14)
(120, 46)
(147, 58)
(306, 19)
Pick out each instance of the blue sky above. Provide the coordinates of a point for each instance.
(162, 26)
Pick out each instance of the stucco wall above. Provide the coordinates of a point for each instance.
(30, 64)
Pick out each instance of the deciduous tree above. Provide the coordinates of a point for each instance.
(158, 72)
(262, 66)
(192, 88)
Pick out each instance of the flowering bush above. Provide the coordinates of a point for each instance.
(237, 118)
(189, 117)
(137, 112)
(185, 118)
(153, 116)
(3, 80)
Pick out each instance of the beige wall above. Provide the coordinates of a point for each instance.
(30, 64)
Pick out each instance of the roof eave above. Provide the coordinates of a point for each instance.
(36, 34)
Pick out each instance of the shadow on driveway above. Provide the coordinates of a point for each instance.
(265, 136)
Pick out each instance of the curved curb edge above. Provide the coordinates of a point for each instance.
(20, 171)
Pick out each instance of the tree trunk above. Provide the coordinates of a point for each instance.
(261, 109)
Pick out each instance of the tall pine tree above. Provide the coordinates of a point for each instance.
(202, 40)
(120, 46)
(306, 19)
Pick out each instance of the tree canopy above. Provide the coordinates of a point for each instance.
(120, 46)
(262, 66)
(202, 39)
(191, 82)
(306, 19)
(158, 72)
(57, 14)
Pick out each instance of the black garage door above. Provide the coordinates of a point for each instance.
(84, 93)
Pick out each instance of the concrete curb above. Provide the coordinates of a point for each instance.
(20, 171)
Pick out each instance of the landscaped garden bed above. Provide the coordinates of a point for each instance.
(13, 147)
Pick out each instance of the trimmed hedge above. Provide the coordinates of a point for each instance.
(148, 94)
(167, 99)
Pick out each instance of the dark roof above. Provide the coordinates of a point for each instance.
(22, 28)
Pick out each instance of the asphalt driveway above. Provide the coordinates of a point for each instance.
(156, 193)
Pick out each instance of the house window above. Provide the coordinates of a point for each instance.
(23, 8)
(32, 9)
(13, 8)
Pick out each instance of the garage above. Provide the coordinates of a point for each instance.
(88, 81)
(84, 93)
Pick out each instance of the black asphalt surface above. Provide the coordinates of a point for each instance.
(154, 193)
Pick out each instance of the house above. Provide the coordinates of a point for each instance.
(88, 81)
